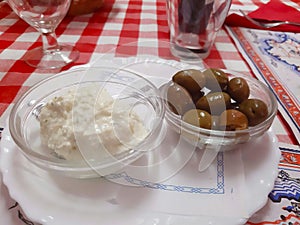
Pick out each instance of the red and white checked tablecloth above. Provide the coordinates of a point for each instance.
(120, 28)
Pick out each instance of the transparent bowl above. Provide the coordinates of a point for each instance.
(214, 141)
(130, 91)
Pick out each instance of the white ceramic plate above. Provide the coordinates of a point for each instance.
(55, 200)
(4, 213)
(9, 214)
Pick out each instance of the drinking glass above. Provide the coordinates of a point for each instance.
(194, 25)
(45, 16)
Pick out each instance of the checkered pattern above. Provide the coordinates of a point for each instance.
(121, 28)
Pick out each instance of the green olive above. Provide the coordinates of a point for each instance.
(214, 103)
(216, 79)
(192, 80)
(238, 89)
(255, 110)
(179, 99)
(232, 120)
(197, 95)
(215, 122)
(199, 118)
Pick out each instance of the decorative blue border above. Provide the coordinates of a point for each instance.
(219, 189)
(280, 38)
(286, 187)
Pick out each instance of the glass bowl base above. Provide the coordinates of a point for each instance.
(51, 59)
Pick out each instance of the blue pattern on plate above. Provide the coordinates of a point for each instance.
(218, 189)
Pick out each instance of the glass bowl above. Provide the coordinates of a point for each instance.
(134, 98)
(214, 141)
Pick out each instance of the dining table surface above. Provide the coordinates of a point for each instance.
(139, 28)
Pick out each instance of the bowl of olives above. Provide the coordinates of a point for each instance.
(217, 108)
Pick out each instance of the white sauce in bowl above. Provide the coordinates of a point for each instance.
(87, 117)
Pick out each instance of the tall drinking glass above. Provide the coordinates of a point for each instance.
(194, 25)
(45, 16)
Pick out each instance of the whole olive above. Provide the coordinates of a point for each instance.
(215, 122)
(197, 95)
(255, 110)
(216, 79)
(191, 79)
(232, 120)
(199, 118)
(179, 99)
(214, 103)
(238, 89)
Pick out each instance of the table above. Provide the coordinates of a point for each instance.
(134, 28)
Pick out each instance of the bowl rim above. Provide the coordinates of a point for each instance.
(176, 119)
(65, 165)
